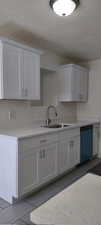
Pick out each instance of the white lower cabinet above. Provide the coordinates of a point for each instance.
(63, 156)
(47, 162)
(43, 159)
(37, 164)
(68, 151)
(34, 161)
(74, 151)
(28, 172)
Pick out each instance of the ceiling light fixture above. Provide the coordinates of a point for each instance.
(64, 7)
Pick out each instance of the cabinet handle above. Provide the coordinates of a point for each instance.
(44, 154)
(43, 141)
(41, 155)
(24, 92)
(70, 145)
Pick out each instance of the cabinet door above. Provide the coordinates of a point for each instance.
(63, 156)
(47, 163)
(74, 151)
(11, 72)
(75, 84)
(79, 84)
(83, 76)
(27, 172)
(64, 84)
(31, 75)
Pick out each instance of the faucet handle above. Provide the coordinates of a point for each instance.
(48, 121)
(56, 114)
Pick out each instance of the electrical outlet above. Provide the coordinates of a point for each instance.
(12, 115)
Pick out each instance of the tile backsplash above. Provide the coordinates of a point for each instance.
(22, 114)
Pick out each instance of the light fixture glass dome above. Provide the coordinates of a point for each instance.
(64, 7)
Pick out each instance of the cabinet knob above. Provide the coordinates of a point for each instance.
(81, 96)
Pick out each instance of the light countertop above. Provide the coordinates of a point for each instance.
(34, 131)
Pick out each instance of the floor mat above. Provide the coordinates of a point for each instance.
(78, 204)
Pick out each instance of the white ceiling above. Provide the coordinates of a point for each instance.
(32, 21)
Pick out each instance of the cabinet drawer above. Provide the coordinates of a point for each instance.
(29, 142)
(51, 138)
(35, 142)
(73, 132)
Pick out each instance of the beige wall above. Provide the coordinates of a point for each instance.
(92, 109)
(51, 59)
(67, 111)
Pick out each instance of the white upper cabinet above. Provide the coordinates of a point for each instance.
(73, 83)
(31, 75)
(10, 73)
(19, 71)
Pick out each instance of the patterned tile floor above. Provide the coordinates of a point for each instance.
(19, 213)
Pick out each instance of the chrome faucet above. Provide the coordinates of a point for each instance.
(48, 120)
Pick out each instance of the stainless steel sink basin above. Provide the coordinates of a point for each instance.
(57, 126)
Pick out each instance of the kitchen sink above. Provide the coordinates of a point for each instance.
(57, 125)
